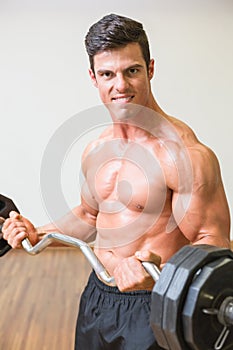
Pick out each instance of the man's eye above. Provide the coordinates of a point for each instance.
(106, 74)
(133, 70)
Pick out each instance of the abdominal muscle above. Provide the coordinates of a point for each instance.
(122, 241)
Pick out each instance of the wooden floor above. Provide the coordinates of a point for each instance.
(39, 297)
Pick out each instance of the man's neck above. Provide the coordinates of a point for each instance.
(138, 122)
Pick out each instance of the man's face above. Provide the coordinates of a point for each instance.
(121, 76)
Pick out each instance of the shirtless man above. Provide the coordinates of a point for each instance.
(150, 188)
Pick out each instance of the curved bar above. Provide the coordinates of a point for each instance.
(48, 239)
(95, 263)
(88, 253)
(74, 242)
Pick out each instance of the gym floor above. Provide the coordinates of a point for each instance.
(40, 297)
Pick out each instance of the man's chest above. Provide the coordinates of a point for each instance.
(134, 178)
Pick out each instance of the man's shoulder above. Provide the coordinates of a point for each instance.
(96, 143)
(191, 141)
(205, 164)
(185, 153)
(184, 132)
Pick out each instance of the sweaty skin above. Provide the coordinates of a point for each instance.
(150, 186)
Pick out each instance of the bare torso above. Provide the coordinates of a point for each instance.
(127, 185)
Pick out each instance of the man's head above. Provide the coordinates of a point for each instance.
(114, 31)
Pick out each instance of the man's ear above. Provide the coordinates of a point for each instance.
(151, 69)
(93, 78)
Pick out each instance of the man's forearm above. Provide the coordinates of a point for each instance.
(72, 224)
(217, 240)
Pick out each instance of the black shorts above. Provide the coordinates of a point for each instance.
(110, 319)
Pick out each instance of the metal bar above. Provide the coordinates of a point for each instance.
(95, 263)
(74, 242)
(152, 269)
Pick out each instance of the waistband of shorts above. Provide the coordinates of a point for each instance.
(104, 287)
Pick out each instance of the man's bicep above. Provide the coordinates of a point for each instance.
(204, 221)
(203, 214)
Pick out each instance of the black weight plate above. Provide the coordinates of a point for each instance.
(159, 293)
(178, 288)
(6, 206)
(211, 285)
(4, 246)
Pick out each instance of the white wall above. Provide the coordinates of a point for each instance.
(44, 81)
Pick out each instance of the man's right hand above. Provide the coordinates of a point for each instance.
(16, 228)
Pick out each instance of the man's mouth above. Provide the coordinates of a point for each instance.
(123, 99)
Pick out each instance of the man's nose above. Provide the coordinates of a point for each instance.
(121, 84)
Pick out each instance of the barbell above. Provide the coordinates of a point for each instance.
(192, 299)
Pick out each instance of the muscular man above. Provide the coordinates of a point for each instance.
(150, 188)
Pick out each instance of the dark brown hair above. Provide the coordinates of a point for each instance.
(113, 31)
